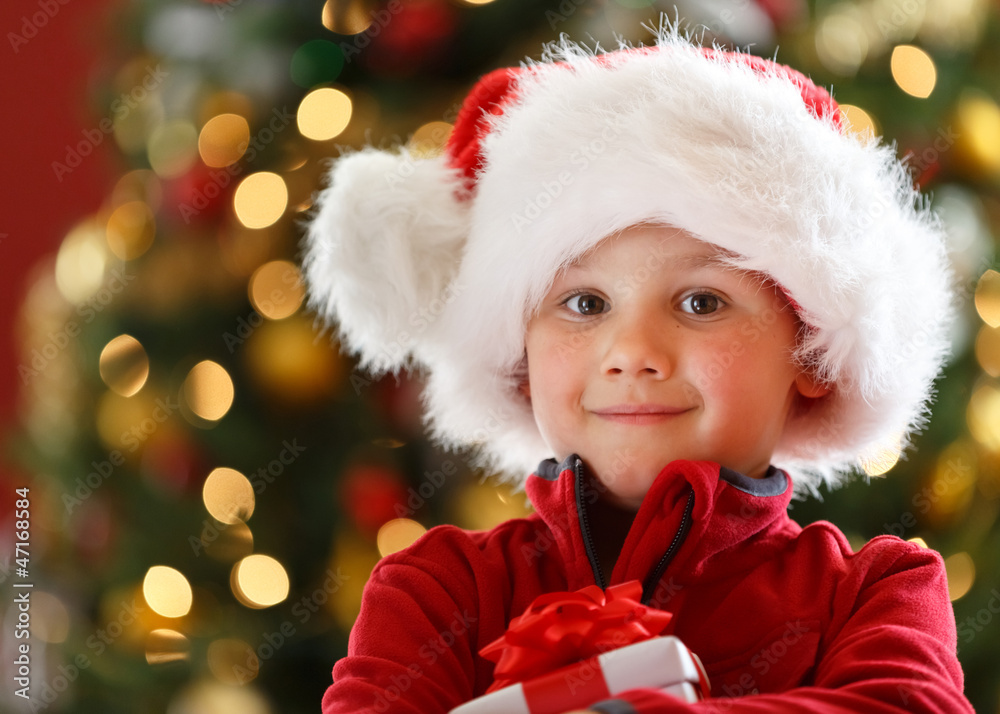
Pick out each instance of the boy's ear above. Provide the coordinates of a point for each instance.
(525, 389)
(809, 386)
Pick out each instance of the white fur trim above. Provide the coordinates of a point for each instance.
(382, 249)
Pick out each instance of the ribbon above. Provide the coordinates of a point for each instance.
(559, 629)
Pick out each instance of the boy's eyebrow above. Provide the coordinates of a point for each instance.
(701, 260)
(687, 261)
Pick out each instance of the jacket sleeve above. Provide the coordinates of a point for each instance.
(411, 650)
(891, 647)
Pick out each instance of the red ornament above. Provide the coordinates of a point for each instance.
(173, 465)
(562, 628)
(200, 196)
(785, 13)
(373, 495)
(415, 38)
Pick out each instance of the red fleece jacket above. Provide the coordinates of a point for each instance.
(786, 614)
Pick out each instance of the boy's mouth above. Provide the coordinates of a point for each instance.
(639, 413)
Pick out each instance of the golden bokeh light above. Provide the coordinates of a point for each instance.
(259, 581)
(983, 416)
(354, 557)
(207, 696)
(859, 121)
(127, 421)
(285, 360)
(172, 148)
(131, 229)
(988, 298)
(208, 390)
(918, 540)
(223, 140)
(324, 114)
(228, 495)
(260, 199)
(397, 534)
(346, 18)
(138, 185)
(167, 591)
(961, 574)
(978, 128)
(232, 661)
(429, 140)
(81, 261)
(988, 350)
(164, 645)
(226, 542)
(49, 618)
(914, 70)
(879, 463)
(276, 289)
(950, 487)
(480, 506)
(123, 365)
(841, 41)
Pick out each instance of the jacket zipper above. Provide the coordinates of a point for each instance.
(588, 541)
(654, 578)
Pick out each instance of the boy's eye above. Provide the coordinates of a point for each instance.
(701, 304)
(586, 304)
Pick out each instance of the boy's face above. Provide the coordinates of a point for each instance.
(650, 320)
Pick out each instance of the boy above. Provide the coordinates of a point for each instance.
(673, 279)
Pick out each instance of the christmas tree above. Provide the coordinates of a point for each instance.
(213, 480)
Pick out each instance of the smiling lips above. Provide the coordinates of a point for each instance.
(639, 413)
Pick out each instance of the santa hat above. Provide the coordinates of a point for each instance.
(438, 263)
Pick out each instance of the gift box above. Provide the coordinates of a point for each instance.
(570, 650)
(661, 663)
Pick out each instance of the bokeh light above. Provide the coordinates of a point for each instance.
(961, 574)
(397, 534)
(208, 390)
(259, 581)
(988, 298)
(841, 40)
(228, 495)
(164, 645)
(276, 289)
(232, 661)
(49, 618)
(223, 140)
(429, 140)
(131, 229)
(988, 350)
(983, 416)
(978, 128)
(172, 148)
(167, 591)
(324, 113)
(226, 542)
(260, 199)
(123, 365)
(879, 463)
(81, 261)
(859, 121)
(346, 18)
(914, 70)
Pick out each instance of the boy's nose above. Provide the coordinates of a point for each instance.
(640, 346)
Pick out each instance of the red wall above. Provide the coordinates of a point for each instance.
(47, 104)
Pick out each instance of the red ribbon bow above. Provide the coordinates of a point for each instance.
(562, 628)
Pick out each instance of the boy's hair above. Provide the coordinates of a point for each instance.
(439, 262)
